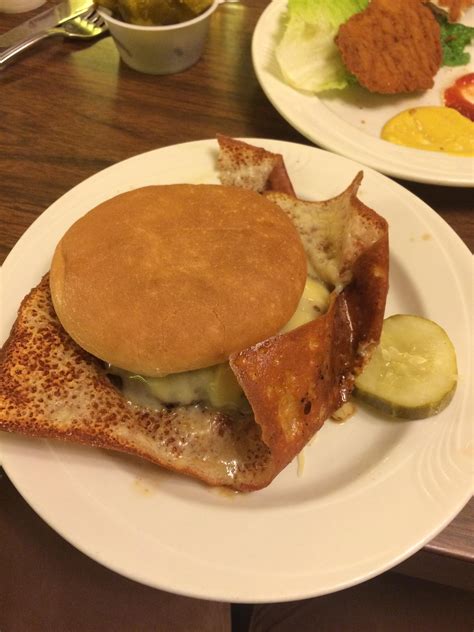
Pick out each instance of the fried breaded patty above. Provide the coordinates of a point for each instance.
(393, 46)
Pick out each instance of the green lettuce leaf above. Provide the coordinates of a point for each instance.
(454, 39)
(307, 54)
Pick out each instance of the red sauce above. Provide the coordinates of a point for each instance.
(460, 95)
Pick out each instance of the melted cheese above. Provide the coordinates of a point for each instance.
(313, 303)
(214, 385)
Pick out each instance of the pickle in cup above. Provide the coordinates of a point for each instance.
(155, 12)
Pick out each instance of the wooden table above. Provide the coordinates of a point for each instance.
(67, 111)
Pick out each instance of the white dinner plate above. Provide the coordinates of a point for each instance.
(372, 490)
(349, 122)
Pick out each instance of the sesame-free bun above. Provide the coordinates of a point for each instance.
(171, 278)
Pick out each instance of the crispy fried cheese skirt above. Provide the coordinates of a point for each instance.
(51, 388)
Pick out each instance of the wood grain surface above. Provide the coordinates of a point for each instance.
(68, 110)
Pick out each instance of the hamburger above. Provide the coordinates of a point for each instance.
(210, 329)
(175, 278)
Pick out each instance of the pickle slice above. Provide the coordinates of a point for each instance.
(413, 372)
(155, 12)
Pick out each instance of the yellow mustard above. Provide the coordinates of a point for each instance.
(433, 128)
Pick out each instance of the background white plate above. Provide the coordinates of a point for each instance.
(349, 122)
(373, 491)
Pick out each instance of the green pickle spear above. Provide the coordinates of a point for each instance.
(413, 372)
(155, 12)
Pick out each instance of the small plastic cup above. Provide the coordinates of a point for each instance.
(160, 50)
(19, 6)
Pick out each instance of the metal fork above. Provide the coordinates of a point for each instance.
(86, 26)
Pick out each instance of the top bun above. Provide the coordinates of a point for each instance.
(171, 278)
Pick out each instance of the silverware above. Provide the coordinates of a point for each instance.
(54, 16)
(85, 26)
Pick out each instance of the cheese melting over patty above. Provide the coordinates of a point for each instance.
(216, 385)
